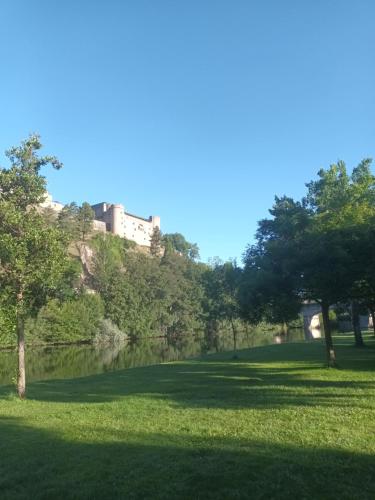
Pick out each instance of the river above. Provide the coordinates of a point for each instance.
(61, 362)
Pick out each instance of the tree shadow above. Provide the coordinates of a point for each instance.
(41, 464)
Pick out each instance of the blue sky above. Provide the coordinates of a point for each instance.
(199, 111)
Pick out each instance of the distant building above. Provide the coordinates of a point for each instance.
(112, 218)
(124, 224)
(48, 203)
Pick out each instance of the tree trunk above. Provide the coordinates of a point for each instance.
(372, 312)
(331, 357)
(234, 332)
(356, 322)
(21, 380)
(246, 329)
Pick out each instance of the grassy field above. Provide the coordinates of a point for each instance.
(273, 424)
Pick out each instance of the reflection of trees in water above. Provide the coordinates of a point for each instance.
(246, 337)
(80, 361)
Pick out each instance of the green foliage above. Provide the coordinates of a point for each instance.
(50, 216)
(109, 251)
(222, 281)
(156, 242)
(32, 253)
(22, 183)
(73, 320)
(269, 288)
(67, 221)
(109, 334)
(85, 217)
(7, 326)
(319, 249)
(180, 293)
(147, 297)
(176, 242)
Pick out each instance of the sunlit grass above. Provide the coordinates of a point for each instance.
(273, 424)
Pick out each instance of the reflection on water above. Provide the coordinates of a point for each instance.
(79, 361)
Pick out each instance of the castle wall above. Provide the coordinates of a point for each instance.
(99, 225)
(49, 203)
(126, 225)
(113, 218)
(138, 229)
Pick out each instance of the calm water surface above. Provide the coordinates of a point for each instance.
(79, 361)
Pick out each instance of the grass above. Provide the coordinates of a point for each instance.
(273, 424)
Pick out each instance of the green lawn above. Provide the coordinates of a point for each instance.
(272, 424)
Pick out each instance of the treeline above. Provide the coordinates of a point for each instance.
(61, 282)
(319, 249)
(122, 294)
(111, 291)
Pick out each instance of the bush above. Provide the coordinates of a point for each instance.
(7, 327)
(109, 334)
(71, 321)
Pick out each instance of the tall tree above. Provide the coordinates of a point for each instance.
(307, 261)
(176, 242)
(32, 254)
(85, 217)
(156, 242)
(67, 221)
(346, 202)
(222, 285)
(270, 285)
(108, 259)
(312, 248)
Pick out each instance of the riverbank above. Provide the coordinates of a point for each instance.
(273, 424)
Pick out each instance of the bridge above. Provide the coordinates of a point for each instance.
(311, 322)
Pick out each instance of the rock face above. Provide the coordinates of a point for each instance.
(86, 257)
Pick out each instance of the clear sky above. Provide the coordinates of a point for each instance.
(199, 111)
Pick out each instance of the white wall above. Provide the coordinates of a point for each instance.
(138, 229)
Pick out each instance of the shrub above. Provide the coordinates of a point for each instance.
(72, 321)
(7, 326)
(109, 334)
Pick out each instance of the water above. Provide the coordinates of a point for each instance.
(83, 360)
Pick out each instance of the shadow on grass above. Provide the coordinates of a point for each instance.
(268, 378)
(42, 465)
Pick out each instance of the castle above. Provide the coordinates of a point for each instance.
(113, 218)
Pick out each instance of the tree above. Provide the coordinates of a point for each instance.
(32, 254)
(269, 287)
(347, 202)
(108, 259)
(180, 291)
(49, 215)
(295, 258)
(176, 242)
(156, 242)
(85, 217)
(311, 249)
(67, 221)
(222, 285)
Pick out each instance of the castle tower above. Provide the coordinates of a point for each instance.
(155, 221)
(117, 222)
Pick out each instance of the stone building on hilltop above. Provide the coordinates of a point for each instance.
(126, 225)
(112, 218)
